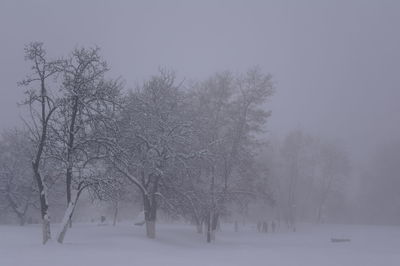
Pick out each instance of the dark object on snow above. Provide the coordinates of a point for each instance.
(102, 219)
(340, 240)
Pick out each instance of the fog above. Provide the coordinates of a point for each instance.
(335, 62)
(330, 71)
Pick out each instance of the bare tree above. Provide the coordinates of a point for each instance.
(228, 112)
(153, 136)
(87, 105)
(41, 108)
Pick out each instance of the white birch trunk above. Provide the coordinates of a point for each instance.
(46, 217)
(66, 219)
(46, 229)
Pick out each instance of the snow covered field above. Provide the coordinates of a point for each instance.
(88, 244)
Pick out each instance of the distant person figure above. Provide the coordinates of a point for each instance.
(236, 226)
(265, 227)
(102, 219)
(259, 226)
(273, 226)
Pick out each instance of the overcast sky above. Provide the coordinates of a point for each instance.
(336, 64)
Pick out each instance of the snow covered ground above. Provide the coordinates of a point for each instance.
(88, 244)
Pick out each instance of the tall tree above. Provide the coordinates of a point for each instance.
(41, 108)
(87, 108)
(153, 136)
(230, 112)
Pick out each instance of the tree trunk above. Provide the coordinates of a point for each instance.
(115, 213)
(210, 227)
(214, 224)
(209, 238)
(46, 229)
(22, 220)
(44, 209)
(211, 213)
(151, 229)
(44, 206)
(150, 212)
(66, 221)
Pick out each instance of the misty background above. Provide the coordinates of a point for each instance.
(335, 64)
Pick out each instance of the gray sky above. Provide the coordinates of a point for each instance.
(336, 64)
